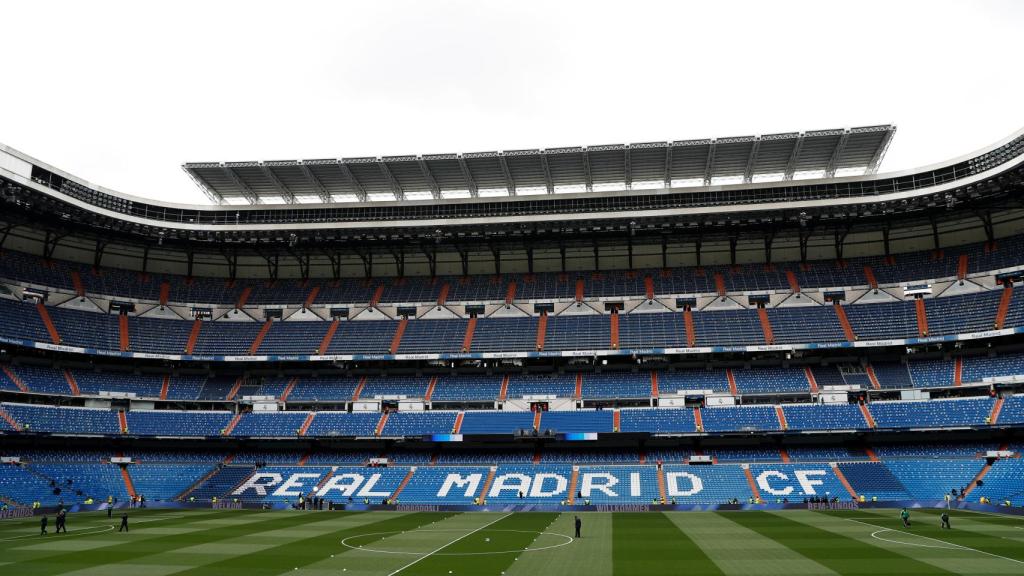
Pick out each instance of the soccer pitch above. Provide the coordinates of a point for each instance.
(251, 543)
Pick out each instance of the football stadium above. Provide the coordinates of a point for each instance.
(739, 355)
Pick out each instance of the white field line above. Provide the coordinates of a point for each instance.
(466, 535)
(949, 545)
(92, 529)
(84, 532)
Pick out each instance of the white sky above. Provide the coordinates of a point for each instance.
(123, 93)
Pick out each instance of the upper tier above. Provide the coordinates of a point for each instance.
(550, 286)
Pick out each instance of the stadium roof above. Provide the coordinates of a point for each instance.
(652, 165)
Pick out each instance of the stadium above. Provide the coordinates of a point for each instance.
(657, 341)
(767, 354)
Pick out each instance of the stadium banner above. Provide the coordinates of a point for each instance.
(16, 512)
(499, 355)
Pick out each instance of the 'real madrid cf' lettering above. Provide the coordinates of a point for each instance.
(598, 482)
(542, 485)
(605, 485)
(803, 477)
(674, 490)
(293, 486)
(259, 483)
(348, 484)
(471, 483)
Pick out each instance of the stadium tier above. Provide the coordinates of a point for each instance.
(879, 415)
(593, 387)
(92, 330)
(721, 312)
(75, 278)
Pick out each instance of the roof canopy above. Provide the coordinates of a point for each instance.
(622, 167)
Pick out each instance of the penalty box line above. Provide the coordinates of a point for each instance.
(951, 545)
(466, 535)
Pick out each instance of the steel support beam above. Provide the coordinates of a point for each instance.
(748, 173)
(510, 183)
(286, 193)
(396, 188)
(97, 254)
(247, 192)
(351, 177)
(668, 165)
(837, 152)
(709, 165)
(876, 159)
(627, 167)
(496, 253)
(321, 190)
(793, 157)
(588, 178)
(467, 175)
(547, 173)
(435, 190)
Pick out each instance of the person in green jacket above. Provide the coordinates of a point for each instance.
(905, 517)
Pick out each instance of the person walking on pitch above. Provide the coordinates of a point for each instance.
(124, 522)
(945, 521)
(905, 517)
(579, 524)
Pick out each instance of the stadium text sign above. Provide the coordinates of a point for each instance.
(603, 485)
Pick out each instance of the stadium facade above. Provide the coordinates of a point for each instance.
(752, 319)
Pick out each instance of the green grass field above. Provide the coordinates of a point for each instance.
(253, 543)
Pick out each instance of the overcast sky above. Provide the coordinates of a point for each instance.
(123, 93)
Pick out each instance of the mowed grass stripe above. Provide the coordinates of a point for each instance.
(590, 555)
(306, 551)
(392, 549)
(511, 533)
(738, 550)
(647, 543)
(886, 534)
(21, 526)
(137, 544)
(967, 532)
(837, 551)
(214, 553)
(87, 534)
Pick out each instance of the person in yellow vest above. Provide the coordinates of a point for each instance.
(862, 499)
(214, 500)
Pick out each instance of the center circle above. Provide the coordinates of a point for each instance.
(346, 542)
